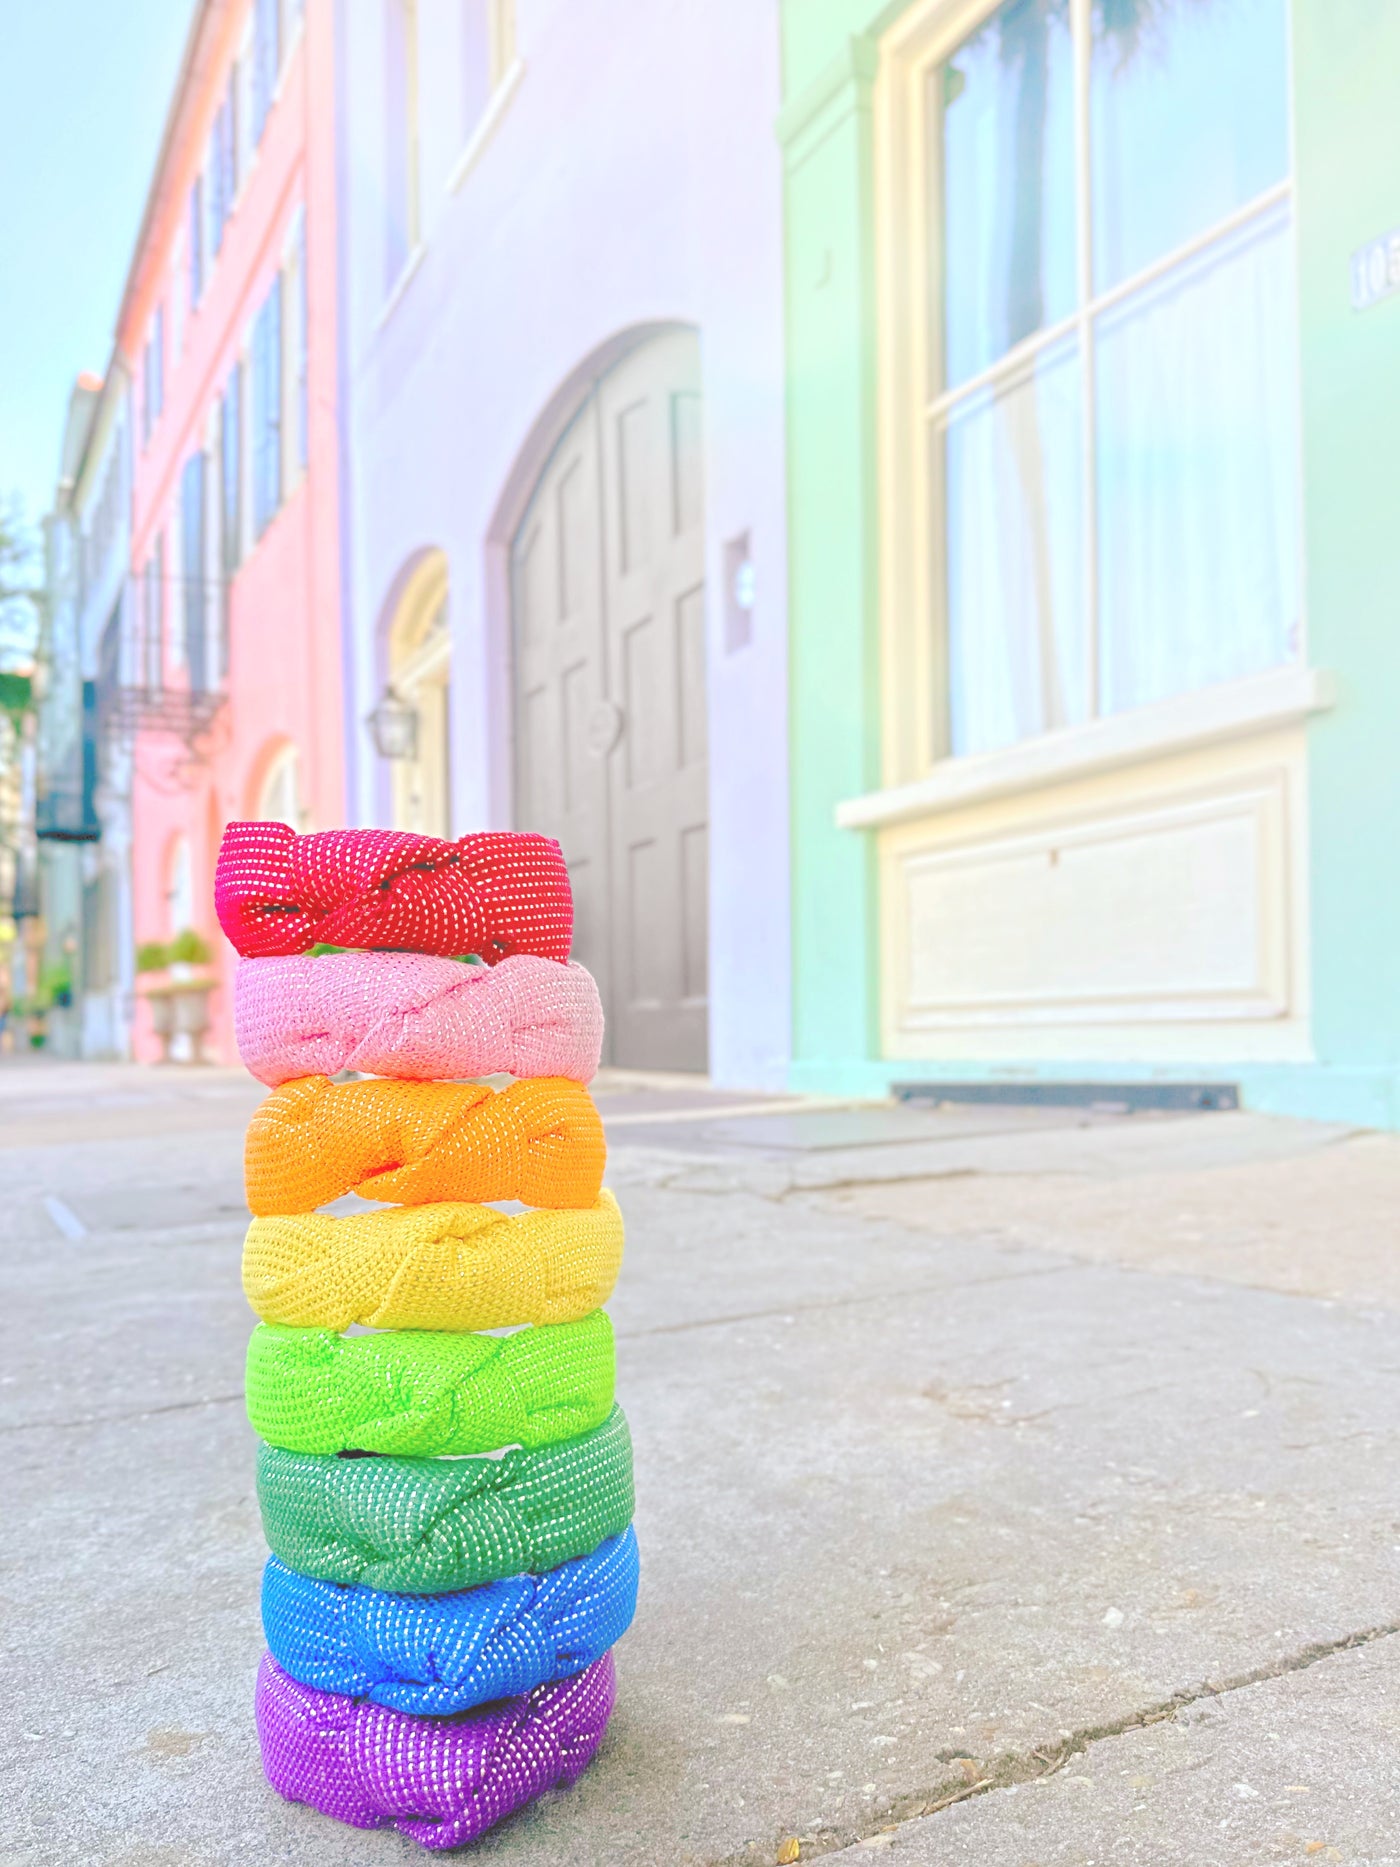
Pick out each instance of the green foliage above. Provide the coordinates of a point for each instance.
(16, 695)
(55, 985)
(190, 949)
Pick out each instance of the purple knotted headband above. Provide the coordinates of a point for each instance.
(440, 1781)
(413, 1016)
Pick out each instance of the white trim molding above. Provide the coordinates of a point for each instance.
(506, 88)
(1186, 723)
(406, 276)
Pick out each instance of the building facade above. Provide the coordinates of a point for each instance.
(1090, 338)
(104, 998)
(64, 813)
(231, 676)
(563, 410)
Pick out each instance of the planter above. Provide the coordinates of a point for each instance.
(181, 1009)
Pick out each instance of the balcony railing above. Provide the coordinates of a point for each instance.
(67, 814)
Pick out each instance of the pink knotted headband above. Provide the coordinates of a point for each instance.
(492, 894)
(414, 1016)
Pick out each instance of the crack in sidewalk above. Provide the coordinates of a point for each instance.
(1014, 1768)
(896, 1295)
(117, 1419)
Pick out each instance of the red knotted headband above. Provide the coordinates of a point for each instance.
(492, 894)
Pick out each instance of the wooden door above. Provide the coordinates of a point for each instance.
(610, 712)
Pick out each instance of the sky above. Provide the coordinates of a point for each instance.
(84, 86)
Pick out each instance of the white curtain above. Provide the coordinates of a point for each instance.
(1015, 554)
(1197, 493)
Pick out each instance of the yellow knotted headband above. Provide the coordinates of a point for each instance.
(433, 1267)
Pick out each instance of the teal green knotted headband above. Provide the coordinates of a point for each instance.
(427, 1526)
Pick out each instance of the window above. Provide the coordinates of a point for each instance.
(230, 503)
(179, 893)
(153, 616)
(478, 61)
(231, 474)
(1109, 419)
(193, 571)
(196, 241)
(153, 374)
(222, 166)
(280, 798)
(487, 30)
(266, 438)
(401, 229)
(267, 60)
(502, 38)
(179, 299)
(296, 287)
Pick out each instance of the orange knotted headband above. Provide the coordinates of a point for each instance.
(540, 1142)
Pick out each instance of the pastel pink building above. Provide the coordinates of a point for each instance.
(229, 327)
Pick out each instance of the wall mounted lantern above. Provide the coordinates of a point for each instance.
(394, 724)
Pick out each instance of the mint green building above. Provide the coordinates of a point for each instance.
(1093, 325)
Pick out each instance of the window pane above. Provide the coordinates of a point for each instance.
(193, 566)
(400, 181)
(1015, 558)
(476, 62)
(1190, 121)
(1197, 466)
(1008, 184)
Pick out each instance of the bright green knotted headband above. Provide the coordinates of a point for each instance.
(419, 1393)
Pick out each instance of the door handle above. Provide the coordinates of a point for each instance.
(605, 724)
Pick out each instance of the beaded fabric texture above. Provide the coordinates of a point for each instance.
(411, 1015)
(423, 1394)
(429, 1526)
(492, 894)
(434, 1655)
(449, 1510)
(433, 1267)
(440, 1781)
(312, 1140)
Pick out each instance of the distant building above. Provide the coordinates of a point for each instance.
(1094, 430)
(228, 328)
(104, 1003)
(564, 428)
(64, 812)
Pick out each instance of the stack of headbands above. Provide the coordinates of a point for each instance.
(449, 1510)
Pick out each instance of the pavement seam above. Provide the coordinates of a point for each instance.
(118, 1419)
(834, 1303)
(1014, 1769)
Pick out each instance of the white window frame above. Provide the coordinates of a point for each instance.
(507, 70)
(912, 399)
(296, 411)
(263, 519)
(410, 15)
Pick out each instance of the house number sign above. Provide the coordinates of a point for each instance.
(1375, 271)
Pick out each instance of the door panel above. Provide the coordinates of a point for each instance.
(608, 592)
(557, 603)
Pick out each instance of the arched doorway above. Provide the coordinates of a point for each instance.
(420, 674)
(179, 887)
(279, 796)
(608, 626)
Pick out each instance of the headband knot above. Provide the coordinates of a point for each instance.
(494, 893)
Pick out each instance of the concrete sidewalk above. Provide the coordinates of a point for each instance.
(1029, 1464)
